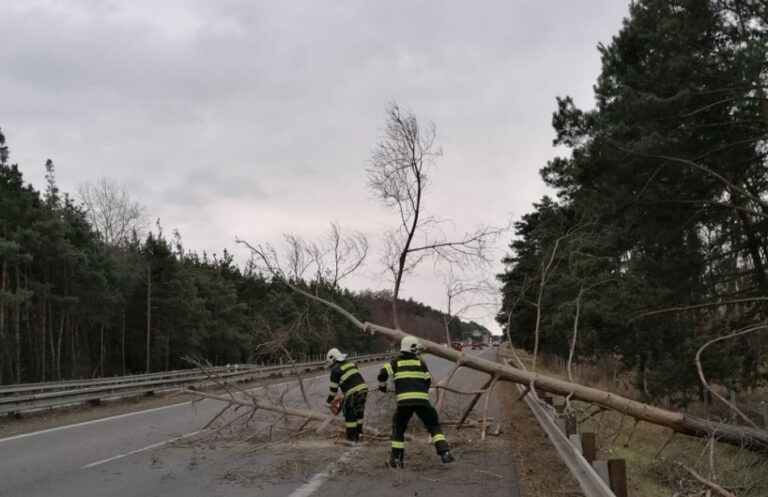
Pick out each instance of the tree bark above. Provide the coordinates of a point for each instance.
(101, 349)
(122, 340)
(43, 334)
(17, 323)
(3, 281)
(59, 338)
(149, 309)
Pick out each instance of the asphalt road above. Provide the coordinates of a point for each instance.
(151, 452)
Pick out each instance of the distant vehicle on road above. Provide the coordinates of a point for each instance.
(457, 345)
(477, 340)
(495, 343)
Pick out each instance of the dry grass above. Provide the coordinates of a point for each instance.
(652, 467)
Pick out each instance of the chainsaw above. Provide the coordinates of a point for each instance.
(335, 406)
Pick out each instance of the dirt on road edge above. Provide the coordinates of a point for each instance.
(540, 472)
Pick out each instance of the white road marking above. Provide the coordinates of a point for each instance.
(159, 444)
(85, 423)
(148, 447)
(118, 416)
(317, 481)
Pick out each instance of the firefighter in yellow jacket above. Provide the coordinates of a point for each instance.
(344, 375)
(412, 380)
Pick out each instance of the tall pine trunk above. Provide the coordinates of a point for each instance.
(59, 339)
(17, 324)
(42, 336)
(122, 340)
(74, 349)
(102, 350)
(51, 342)
(3, 285)
(149, 310)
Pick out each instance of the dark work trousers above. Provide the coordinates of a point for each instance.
(428, 416)
(354, 410)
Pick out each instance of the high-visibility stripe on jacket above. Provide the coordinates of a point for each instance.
(345, 375)
(411, 378)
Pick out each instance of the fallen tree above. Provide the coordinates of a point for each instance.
(749, 437)
(752, 438)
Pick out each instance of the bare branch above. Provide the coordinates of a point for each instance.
(571, 353)
(259, 253)
(111, 211)
(699, 306)
(714, 486)
(701, 370)
(701, 167)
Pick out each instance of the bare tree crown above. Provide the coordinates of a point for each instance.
(111, 210)
(398, 175)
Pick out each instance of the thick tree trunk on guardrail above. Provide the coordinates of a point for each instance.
(682, 423)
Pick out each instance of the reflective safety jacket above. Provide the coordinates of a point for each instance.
(344, 374)
(411, 378)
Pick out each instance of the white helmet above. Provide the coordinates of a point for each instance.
(334, 355)
(410, 344)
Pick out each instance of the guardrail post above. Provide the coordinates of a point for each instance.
(764, 410)
(588, 446)
(617, 473)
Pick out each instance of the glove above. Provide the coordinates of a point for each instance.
(383, 389)
(329, 399)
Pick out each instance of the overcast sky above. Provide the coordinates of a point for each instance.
(253, 118)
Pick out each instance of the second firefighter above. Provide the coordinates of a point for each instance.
(412, 381)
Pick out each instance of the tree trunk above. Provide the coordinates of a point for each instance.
(58, 347)
(101, 350)
(73, 344)
(17, 323)
(149, 310)
(122, 341)
(754, 250)
(3, 288)
(43, 334)
(679, 422)
(3, 281)
(51, 341)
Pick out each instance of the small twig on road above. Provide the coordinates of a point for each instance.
(494, 475)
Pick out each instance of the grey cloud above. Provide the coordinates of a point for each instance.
(272, 107)
(202, 187)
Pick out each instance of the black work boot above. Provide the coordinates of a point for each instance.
(447, 457)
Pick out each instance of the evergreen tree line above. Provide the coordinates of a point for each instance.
(72, 306)
(418, 318)
(657, 240)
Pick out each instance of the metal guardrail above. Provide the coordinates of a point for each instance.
(589, 481)
(17, 398)
(18, 389)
